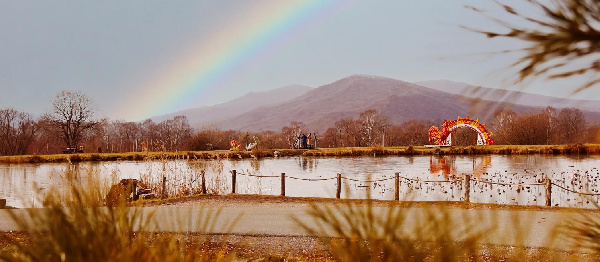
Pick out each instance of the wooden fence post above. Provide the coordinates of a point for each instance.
(203, 183)
(134, 195)
(233, 178)
(397, 192)
(548, 192)
(467, 187)
(282, 184)
(338, 192)
(164, 187)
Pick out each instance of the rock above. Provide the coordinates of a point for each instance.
(148, 196)
(2, 203)
(126, 190)
(141, 191)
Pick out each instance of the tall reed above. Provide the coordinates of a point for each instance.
(389, 232)
(75, 226)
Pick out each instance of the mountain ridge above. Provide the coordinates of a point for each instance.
(208, 114)
(399, 101)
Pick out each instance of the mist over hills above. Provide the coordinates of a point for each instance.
(512, 96)
(399, 101)
(206, 115)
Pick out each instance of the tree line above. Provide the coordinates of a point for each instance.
(370, 128)
(549, 126)
(72, 127)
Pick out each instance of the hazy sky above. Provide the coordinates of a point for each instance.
(137, 59)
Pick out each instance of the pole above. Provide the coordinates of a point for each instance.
(338, 192)
(164, 187)
(203, 183)
(397, 183)
(282, 184)
(548, 192)
(467, 188)
(134, 195)
(233, 178)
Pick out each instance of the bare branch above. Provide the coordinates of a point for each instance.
(569, 31)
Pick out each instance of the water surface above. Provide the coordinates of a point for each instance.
(21, 183)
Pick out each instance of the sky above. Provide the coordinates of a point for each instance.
(141, 58)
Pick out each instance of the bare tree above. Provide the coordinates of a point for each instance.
(571, 125)
(413, 132)
(374, 126)
(528, 129)
(550, 114)
(563, 43)
(331, 138)
(502, 127)
(293, 132)
(17, 131)
(350, 132)
(72, 115)
(369, 121)
(180, 131)
(150, 134)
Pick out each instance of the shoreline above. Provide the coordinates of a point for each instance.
(244, 199)
(569, 149)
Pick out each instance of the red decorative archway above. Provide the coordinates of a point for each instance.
(443, 136)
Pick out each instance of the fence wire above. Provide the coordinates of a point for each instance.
(186, 182)
(575, 192)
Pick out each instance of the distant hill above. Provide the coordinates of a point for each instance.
(511, 96)
(399, 101)
(200, 116)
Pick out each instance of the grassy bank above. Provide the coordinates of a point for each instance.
(591, 149)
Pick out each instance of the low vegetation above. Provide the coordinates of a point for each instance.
(581, 149)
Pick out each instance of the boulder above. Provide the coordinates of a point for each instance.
(126, 190)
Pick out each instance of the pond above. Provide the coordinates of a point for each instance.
(23, 184)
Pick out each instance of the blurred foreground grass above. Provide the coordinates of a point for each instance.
(76, 226)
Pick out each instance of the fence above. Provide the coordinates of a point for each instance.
(466, 182)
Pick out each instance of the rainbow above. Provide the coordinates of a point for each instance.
(263, 25)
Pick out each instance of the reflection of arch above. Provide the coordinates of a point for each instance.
(447, 165)
(444, 136)
(442, 164)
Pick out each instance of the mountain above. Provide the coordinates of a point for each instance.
(397, 100)
(200, 116)
(515, 97)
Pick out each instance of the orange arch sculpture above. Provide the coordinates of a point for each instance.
(443, 136)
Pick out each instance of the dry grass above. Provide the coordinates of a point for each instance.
(353, 232)
(592, 149)
(75, 226)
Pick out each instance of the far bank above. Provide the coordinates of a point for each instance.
(577, 149)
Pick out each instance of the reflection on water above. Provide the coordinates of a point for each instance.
(308, 163)
(446, 165)
(19, 184)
